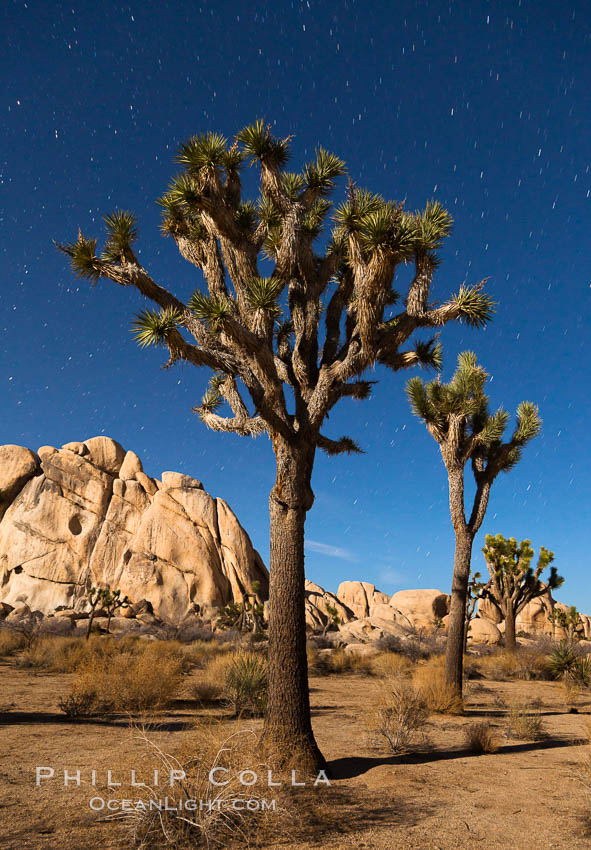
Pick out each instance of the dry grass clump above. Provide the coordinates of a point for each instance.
(392, 665)
(526, 663)
(123, 682)
(206, 691)
(400, 716)
(337, 661)
(525, 723)
(200, 653)
(206, 815)
(11, 642)
(429, 680)
(480, 738)
(69, 654)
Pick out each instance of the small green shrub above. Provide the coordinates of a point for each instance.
(562, 659)
(246, 683)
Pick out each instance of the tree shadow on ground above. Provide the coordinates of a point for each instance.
(352, 766)
(19, 718)
(341, 811)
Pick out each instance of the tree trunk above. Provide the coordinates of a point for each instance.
(288, 727)
(454, 654)
(510, 642)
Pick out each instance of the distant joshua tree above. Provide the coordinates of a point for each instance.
(292, 343)
(569, 620)
(457, 417)
(476, 591)
(104, 597)
(513, 581)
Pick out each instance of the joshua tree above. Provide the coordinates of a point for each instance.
(569, 620)
(476, 590)
(333, 619)
(513, 581)
(94, 595)
(292, 343)
(112, 601)
(457, 417)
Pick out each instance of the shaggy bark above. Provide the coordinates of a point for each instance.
(287, 721)
(510, 641)
(454, 662)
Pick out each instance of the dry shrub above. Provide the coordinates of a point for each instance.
(337, 662)
(58, 654)
(10, 642)
(440, 697)
(480, 738)
(200, 653)
(572, 692)
(526, 663)
(525, 723)
(399, 717)
(123, 681)
(207, 817)
(392, 665)
(215, 669)
(206, 691)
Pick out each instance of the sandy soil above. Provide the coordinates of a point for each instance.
(528, 794)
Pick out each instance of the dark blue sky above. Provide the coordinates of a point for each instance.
(481, 105)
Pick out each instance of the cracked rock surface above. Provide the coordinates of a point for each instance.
(88, 514)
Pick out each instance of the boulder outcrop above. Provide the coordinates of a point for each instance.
(421, 607)
(87, 514)
(361, 597)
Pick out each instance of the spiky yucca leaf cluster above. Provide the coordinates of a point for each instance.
(153, 327)
(432, 226)
(209, 151)
(263, 293)
(476, 308)
(122, 232)
(83, 258)
(383, 225)
(211, 309)
(320, 176)
(258, 143)
(461, 407)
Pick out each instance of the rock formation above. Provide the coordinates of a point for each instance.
(87, 514)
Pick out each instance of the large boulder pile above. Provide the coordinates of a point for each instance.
(87, 514)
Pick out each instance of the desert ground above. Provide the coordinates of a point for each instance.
(438, 793)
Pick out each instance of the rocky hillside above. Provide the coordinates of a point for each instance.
(88, 513)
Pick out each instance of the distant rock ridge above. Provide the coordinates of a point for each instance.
(87, 514)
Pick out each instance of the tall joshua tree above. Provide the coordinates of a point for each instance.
(513, 581)
(457, 417)
(290, 344)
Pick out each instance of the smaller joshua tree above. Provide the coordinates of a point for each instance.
(246, 616)
(104, 597)
(333, 620)
(94, 596)
(457, 417)
(112, 601)
(513, 581)
(569, 620)
(476, 591)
